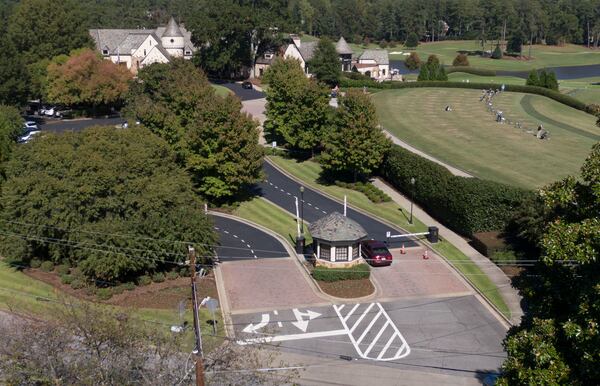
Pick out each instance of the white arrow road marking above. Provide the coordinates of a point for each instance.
(301, 323)
(251, 328)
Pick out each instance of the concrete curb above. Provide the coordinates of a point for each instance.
(479, 295)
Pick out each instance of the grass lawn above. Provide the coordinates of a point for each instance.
(271, 217)
(24, 295)
(221, 91)
(309, 171)
(469, 138)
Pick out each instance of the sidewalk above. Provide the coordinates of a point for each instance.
(509, 294)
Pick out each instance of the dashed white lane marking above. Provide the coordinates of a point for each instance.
(248, 245)
(316, 207)
(236, 236)
(324, 211)
(216, 228)
(226, 232)
(288, 193)
(309, 204)
(282, 190)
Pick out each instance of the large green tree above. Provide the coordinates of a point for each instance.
(298, 109)
(356, 145)
(558, 341)
(112, 202)
(211, 136)
(47, 28)
(13, 74)
(325, 64)
(11, 125)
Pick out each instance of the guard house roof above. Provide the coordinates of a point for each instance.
(335, 228)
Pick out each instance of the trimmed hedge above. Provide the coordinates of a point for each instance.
(488, 243)
(357, 272)
(466, 205)
(557, 96)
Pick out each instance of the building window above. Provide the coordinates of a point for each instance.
(341, 253)
(188, 52)
(355, 251)
(104, 52)
(260, 72)
(144, 52)
(172, 40)
(383, 71)
(325, 251)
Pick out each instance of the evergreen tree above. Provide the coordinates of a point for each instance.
(412, 40)
(11, 125)
(533, 79)
(356, 145)
(551, 81)
(497, 53)
(325, 64)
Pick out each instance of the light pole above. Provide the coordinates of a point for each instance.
(300, 240)
(412, 199)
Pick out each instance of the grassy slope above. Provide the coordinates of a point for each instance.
(272, 217)
(470, 139)
(24, 295)
(221, 90)
(309, 171)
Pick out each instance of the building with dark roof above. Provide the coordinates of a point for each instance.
(336, 240)
(138, 48)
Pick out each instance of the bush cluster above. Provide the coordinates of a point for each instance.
(104, 293)
(356, 76)
(356, 272)
(461, 60)
(497, 53)
(466, 205)
(488, 243)
(144, 280)
(373, 193)
(557, 96)
(413, 61)
(47, 266)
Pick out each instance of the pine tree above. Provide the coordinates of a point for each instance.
(325, 64)
(412, 40)
(533, 79)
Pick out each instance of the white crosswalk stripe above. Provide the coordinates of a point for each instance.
(368, 340)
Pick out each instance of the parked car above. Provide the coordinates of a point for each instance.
(376, 252)
(247, 85)
(27, 137)
(29, 126)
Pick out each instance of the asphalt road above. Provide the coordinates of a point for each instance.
(455, 336)
(280, 189)
(242, 93)
(59, 126)
(242, 242)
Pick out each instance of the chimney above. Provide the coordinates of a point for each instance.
(295, 39)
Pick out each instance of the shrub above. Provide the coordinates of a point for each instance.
(506, 257)
(47, 266)
(413, 61)
(466, 205)
(412, 40)
(104, 293)
(172, 275)
(77, 283)
(66, 279)
(461, 60)
(383, 44)
(433, 59)
(158, 277)
(129, 286)
(497, 53)
(357, 272)
(35, 263)
(144, 280)
(372, 192)
(118, 289)
(356, 75)
(63, 269)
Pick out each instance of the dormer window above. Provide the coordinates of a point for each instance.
(268, 55)
(105, 52)
(188, 52)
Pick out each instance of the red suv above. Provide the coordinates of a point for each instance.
(376, 253)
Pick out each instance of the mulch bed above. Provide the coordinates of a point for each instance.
(165, 295)
(348, 289)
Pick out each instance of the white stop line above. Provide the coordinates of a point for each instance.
(370, 329)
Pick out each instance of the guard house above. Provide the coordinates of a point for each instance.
(336, 240)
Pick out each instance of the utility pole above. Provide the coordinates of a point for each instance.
(198, 350)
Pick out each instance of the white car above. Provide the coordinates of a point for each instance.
(30, 125)
(26, 138)
(48, 111)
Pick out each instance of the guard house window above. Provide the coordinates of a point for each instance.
(104, 52)
(325, 252)
(355, 251)
(341, 254)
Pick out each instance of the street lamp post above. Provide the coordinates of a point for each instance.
(300, 239)
(412, 199)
